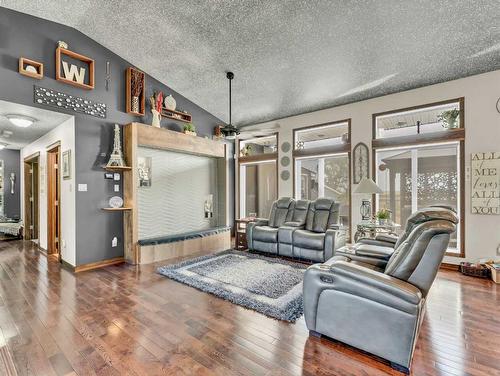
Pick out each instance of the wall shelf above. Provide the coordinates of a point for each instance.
(142, 97)
(117, 168)
(117, 209)
(176, 115)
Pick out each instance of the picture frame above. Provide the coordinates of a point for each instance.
(66, 164)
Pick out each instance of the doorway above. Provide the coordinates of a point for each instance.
(53, 200)
(31, 197)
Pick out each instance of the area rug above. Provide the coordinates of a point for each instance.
(267, 285)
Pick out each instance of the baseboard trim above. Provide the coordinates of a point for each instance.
(66, 265)
(98, 264)
(448, 266)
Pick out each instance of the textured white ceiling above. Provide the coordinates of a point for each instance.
(288, 57)
(15, 137)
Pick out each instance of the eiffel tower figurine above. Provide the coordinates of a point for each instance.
(116, 157)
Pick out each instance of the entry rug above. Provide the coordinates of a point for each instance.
(267, 285)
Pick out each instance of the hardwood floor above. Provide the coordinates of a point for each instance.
(124, 320)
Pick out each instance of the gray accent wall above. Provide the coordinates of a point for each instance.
(12, 163)
(35, 38)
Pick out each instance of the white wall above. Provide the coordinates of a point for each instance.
(65, 134)
(482, 123)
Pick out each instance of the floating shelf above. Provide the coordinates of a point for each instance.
(176, 115)
(117, 209)
(118, 168)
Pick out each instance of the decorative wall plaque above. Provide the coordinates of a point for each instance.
(360, 162)
(285, 175)
(485, 183)
(57, 99)
(285, 147)
(285, 161)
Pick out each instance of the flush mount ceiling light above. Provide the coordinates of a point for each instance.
(21, 121)
(230, 131)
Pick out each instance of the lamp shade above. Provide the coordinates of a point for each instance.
(367, 185)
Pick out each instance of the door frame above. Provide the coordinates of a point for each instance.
(29, 220)
(54, 191)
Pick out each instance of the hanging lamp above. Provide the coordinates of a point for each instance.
(230, 131)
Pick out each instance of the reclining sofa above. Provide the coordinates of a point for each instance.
(299, 229)
(372, 296)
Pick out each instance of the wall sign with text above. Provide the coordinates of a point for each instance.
(485, 183)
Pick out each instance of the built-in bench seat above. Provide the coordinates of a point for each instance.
(183, 236)
(183, 244)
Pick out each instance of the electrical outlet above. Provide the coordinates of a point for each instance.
(82, 187)
(117, 187)
(114, 242)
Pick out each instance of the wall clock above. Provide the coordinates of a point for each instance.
(360, 162)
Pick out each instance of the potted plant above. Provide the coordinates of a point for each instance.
(383, 216)
(449, 118)
(189, 129)
(245, 150)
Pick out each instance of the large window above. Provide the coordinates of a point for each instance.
(322, 165)
(258, 189)
(418, 177)
(419, 162)
(326, 176)
(257, 172)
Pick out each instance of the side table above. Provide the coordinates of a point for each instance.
(372, 228)
(241, 232)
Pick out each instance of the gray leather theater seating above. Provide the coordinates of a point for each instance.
(378, 307)
(300, 229)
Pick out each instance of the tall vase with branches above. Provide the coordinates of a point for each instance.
(136, 87)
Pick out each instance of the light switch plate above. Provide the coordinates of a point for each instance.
(117, 176)
(117, 187)
(82, 187)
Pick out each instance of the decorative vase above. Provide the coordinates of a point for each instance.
(135, 104)
(156, 119)
(170, 103)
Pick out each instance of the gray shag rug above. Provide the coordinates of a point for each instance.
(267, 285)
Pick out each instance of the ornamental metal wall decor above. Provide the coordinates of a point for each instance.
(57, 99)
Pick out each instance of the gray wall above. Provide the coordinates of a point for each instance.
(12, 160)
(31, 37)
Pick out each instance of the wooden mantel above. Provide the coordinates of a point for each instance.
(161, 138)
(137, 134)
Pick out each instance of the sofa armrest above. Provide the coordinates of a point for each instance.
(334, 239)
(250, 228)
(375, 251)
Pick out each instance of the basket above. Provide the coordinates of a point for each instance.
(475, 270)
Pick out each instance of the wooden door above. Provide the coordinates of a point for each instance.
(53, 201)
(31, 203)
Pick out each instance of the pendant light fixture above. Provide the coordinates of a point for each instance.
(230, 131)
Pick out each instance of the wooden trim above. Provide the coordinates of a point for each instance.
(130, 220)
(448, 266)
(128, 96)
(32, 156)
(449, 135)
(62, 51)
(324, 150)
(66, 265)
(258, 158)
(98, 264)
(336, 122)
(36, 64)
(165, 139)
(53, 146)
(420, 139)
(54, 192)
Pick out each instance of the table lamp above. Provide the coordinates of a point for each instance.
(367, 186)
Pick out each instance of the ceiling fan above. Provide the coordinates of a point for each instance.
(230, 131)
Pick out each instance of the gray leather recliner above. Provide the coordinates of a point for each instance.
(320, 237)
(380, 310)
(262, 235)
